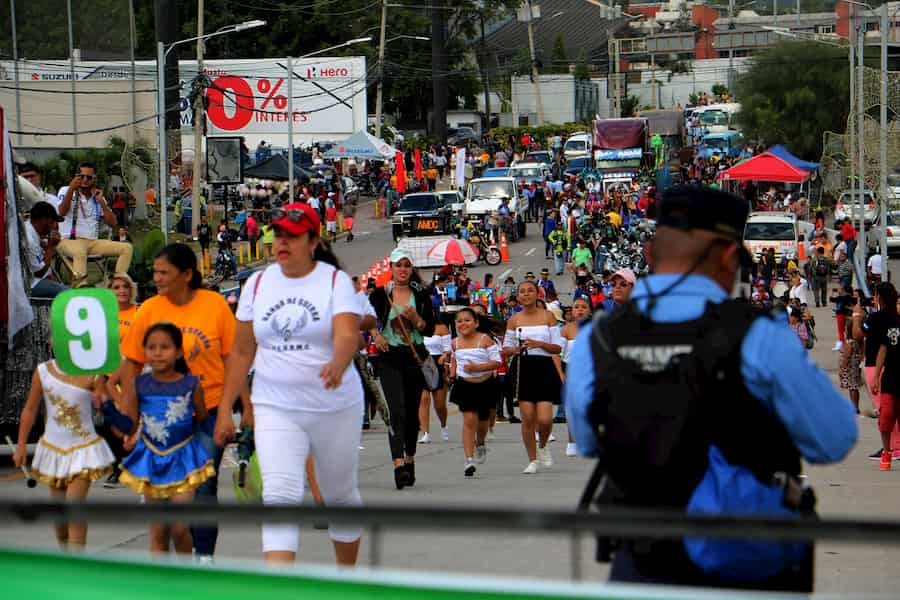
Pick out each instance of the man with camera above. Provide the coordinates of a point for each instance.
(82, 205)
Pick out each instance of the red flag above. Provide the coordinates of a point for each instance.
(417, 168)
(400, 172)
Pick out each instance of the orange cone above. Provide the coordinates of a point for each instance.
(504, 251)
(801, 252)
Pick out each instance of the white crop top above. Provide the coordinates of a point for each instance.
(540, 333)
(437, 344)
(475, 356)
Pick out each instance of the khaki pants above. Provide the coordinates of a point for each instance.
(79, 249)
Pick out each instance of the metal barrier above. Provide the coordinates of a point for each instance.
(613, 521)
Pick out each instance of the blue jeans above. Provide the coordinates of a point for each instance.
(851, 248)
(559, 261)
(599, 261)
(47, 288)
(205, 537)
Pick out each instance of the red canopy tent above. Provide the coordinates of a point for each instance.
(765, 167)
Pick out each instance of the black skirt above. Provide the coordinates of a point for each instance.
(475, 397)
(539, 381)
(442, 377)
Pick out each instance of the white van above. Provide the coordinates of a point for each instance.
(484, 196)
(578, 145)
(772, 230)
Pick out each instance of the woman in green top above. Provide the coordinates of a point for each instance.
(405, 318)
(581, 256)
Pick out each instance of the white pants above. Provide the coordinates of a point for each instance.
(284, 439)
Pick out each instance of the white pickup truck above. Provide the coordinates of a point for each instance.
(484, 196)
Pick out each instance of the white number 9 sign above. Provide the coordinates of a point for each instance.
(84, 326)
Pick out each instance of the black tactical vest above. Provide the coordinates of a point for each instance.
(665, 392)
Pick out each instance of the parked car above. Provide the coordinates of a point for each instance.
(893, 233)
(453, 199)
(420, 214)
(541, 157)
(578, 145)
(529, 173)
(725, 145)
(461, 136)
(848, 206)
(496, 172)
(576, 165)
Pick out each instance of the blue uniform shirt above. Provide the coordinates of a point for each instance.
(776, 367)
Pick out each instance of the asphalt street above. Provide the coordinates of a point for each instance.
(854, 488)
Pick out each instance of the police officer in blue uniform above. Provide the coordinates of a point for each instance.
(694, 401)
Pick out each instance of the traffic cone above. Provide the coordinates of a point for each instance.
(801, 252)
(504, 251)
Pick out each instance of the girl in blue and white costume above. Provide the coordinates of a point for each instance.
(167, 463)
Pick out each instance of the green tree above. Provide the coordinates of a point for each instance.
(582, 71)
(630, 106)
(792, 94)
(559, 62)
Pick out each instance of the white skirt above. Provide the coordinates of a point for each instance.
(58, 467)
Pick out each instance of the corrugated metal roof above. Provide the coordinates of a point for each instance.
(581, 24)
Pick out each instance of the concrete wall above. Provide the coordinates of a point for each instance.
(674, 89)
(564, 99)
(50, 110)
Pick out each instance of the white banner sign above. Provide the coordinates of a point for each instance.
(461, 168)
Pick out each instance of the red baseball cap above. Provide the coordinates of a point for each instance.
(297, 218)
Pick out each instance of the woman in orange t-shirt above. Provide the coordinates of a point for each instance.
(207, 326)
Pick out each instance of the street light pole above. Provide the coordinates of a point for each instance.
(198, 129)
(534, 70)
(883, 159)
(161, 200)
(852, 119)
(379, 90)
(161, 53)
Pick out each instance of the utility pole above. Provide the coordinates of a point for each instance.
(15, 50)
(883, 139)
(731, 46)
(861, 135)
(72, 74)
(131, 38)
(198, 129)
(486, 83)
(852, 118)
(379, 89)
(439, 68)
(534, 70)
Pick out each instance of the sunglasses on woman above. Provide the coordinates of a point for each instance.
(294, 215)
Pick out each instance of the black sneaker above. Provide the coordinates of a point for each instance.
(411, 473)
(515, 419)
(401, 477)
(876, 455)
(559, 419)
(112, 482)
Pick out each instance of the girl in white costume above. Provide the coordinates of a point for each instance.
(70, 455)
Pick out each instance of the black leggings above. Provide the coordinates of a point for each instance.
(402, 380)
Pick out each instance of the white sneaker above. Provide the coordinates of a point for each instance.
(470, 468)
(531, 469)
(445, 434)
(545, 457)
(571, 450)
(489, 436)
(425, 439)
(838, 346)
(537, 436)
(552, 438)
(480, 454)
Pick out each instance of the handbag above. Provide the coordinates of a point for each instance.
(428, 367)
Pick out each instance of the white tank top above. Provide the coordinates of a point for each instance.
(437, 344)
(475, 356)
(540, 333)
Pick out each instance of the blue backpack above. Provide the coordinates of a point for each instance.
(732, 490)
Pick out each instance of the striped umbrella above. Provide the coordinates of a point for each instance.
(453, 252)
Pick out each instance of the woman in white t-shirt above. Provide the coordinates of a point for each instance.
(298, 326)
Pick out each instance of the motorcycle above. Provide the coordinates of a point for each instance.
(487, 248)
